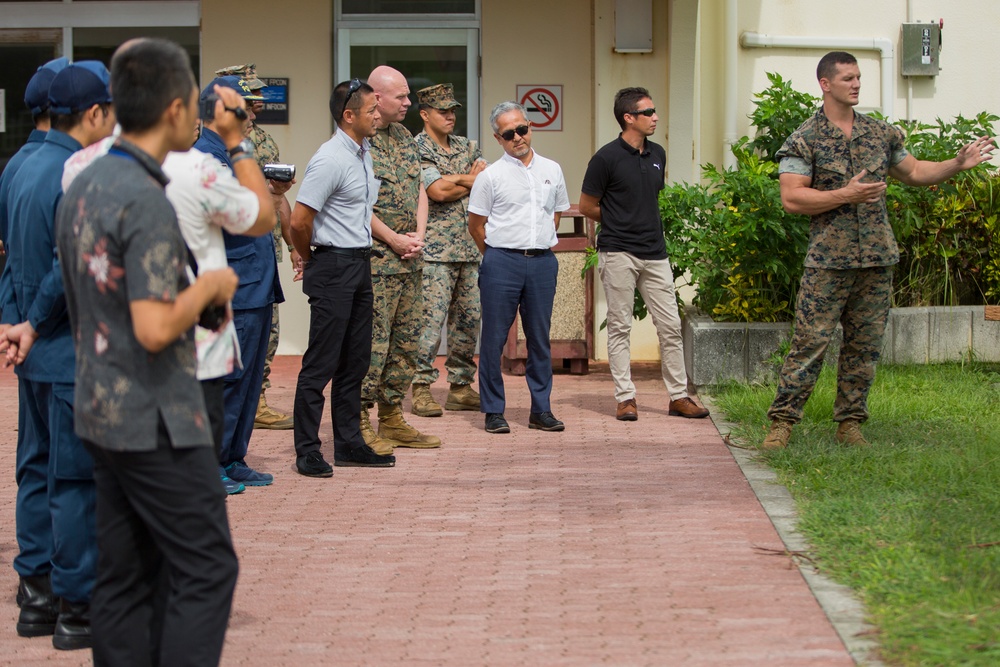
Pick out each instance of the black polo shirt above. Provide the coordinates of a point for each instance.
(627, 183)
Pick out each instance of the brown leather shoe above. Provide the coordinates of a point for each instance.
(685, 407)
(627, 411)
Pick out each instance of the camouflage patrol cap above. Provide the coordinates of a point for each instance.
(247, 71)
(441, 96)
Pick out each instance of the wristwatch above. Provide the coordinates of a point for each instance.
(245, 146)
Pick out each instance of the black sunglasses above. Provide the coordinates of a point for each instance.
(351, 89)
(509, 134)
(648, 113)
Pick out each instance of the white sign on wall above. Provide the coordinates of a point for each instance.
(543, 104)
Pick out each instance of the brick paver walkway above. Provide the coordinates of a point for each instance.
(608, 544)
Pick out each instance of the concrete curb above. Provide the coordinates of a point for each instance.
(839, 603)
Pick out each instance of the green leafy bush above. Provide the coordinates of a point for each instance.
(733, 239)
(948, 235)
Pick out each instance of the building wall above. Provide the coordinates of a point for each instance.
(959, 88)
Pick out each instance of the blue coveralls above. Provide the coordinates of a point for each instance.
(55, 485)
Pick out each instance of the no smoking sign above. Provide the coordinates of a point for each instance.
(543, 104)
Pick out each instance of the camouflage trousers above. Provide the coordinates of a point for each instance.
(857, 298)
(451, 292)
(396, 317)
(272, 342)
(272, 347)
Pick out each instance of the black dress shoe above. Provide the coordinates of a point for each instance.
(39, 607)
(313, 465)
(73, 627)
(495, 423)
(545, 421)
(363, 457)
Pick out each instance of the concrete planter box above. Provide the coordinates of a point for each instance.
(718, 351)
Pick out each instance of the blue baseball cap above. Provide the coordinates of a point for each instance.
(80, 86)
(239, 84)
(36, 95)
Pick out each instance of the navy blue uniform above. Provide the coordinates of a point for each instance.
(55, 495)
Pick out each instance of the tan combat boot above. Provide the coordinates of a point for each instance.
(462, 397)
(380, 446)
(849, 433)
(424, 404)
(394, 429)
(269, 418)
(777, 437)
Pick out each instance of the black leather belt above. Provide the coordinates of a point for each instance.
(360, 253)
(530, 252)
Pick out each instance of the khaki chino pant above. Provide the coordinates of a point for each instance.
(621, 273)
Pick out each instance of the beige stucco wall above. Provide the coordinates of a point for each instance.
(963, 86)
(297, 45)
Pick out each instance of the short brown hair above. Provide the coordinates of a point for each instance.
(828, 64)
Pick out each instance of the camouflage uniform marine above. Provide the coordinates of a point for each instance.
(451, 268)
(848, 267)
(398, 304)
(265, 152)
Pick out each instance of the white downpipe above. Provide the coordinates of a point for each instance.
(881, 44)
(909, 79)
(731, 54)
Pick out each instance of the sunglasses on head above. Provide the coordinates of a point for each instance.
(353, 88)
(648, 113)
(509, 134)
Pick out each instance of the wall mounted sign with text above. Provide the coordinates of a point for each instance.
(275, 102)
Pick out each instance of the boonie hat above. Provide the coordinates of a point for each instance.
(36, 95)
(248, 71)
(80, 86)
(234, 82)
(441, 97)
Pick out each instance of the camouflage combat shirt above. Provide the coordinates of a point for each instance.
(448, 238)
(851, 236)
(265, 151)
(396, 163)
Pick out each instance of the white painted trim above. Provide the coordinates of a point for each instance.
(100, 14)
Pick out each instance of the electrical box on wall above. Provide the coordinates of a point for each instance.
(633, 26)
(921, 49)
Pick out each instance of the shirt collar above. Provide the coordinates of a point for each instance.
(518, 162)
(351, 145)
(858, 128)
(62, 139)
(632, 149)
(146, 160)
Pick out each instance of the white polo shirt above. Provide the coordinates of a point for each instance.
(520, 202)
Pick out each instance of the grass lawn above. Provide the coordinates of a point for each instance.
(911, 523)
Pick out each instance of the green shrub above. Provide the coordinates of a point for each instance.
(735, 241)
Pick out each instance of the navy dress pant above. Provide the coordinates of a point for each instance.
(242, 390)
(511, 282)
(55, 493)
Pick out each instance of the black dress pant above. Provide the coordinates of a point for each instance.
(166, 568)
(339, 288)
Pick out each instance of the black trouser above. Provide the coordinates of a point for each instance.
(166, 568)
(215, 405)
(339, 288)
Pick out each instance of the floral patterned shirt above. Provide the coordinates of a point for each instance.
(119, 242)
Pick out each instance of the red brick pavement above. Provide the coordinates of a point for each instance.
(608, 544)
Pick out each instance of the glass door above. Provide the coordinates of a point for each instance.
(426, 56)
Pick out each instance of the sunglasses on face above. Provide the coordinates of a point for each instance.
(648, 113)
(353, 88)
(509, 134)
